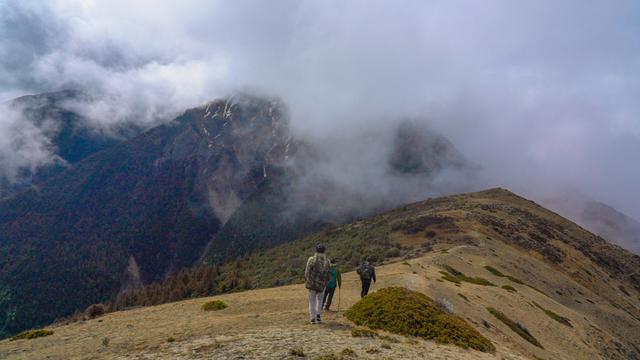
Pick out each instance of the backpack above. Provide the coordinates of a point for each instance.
(318, 276)
(365, 272)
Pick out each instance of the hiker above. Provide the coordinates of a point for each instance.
(316, 276)
(334, 280)
(367, 273)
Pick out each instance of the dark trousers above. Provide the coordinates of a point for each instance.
(328, 296)
(365, 288)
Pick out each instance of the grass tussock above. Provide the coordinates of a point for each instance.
(32, 334)
(297, 352)
(406, 312)
(559, 318)
(518, 328)
(498, 273)
(457, 277)
(214, 305)
(348, 352)
(361, 332)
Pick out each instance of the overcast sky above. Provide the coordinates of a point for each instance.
(543, 94)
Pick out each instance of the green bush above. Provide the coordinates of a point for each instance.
(559, 318)
(32, 334)
(393, 252)
(298, 352)
(402, 311)
(360, 332)
(518, 328)
(494, 271)
(457, 277)
(214, 305)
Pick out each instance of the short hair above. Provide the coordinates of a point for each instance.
(320, 248)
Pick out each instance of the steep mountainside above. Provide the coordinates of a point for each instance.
(535, 284)
(612, 225)
(216, 183)
(150, 204)
(598, 217)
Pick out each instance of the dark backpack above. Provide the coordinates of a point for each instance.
(365, 271)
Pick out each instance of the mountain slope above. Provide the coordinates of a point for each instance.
(569, 266)
(613, 225)
(152, 202)
(576, 295)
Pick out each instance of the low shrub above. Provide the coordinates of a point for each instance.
(297, 352)
(347, 352)
(361, 332)
(559, 318)
(517, 327)
(406, 312)
(94, 311)
(457, 277)
(214, 305)
(329, 357)
(393, 252)
(32, 334)
(494, 271)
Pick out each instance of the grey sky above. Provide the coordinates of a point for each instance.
(542, 94)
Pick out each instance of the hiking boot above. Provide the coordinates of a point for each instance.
(318, 319)
(313, 321)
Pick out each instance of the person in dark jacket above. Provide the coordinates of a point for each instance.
(367, 273)
(334, 280)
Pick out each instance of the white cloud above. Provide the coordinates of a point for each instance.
(543, 94)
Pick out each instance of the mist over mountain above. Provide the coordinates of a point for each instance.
(118, 172)
(541, 96)
(217, 182)
(46, 135)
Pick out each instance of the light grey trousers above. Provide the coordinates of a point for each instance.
(315, 303)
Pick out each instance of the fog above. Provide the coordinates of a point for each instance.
(541, 94)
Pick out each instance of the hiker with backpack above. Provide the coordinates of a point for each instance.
(367, 273)
(335, 279)
(316, 276)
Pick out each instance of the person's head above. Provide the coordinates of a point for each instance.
(320, 249)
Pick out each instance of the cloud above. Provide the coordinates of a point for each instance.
(24, 146)
(541, 94)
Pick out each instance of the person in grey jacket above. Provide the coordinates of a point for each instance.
(316, 276)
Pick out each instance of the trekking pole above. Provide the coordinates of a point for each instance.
(339, 297)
